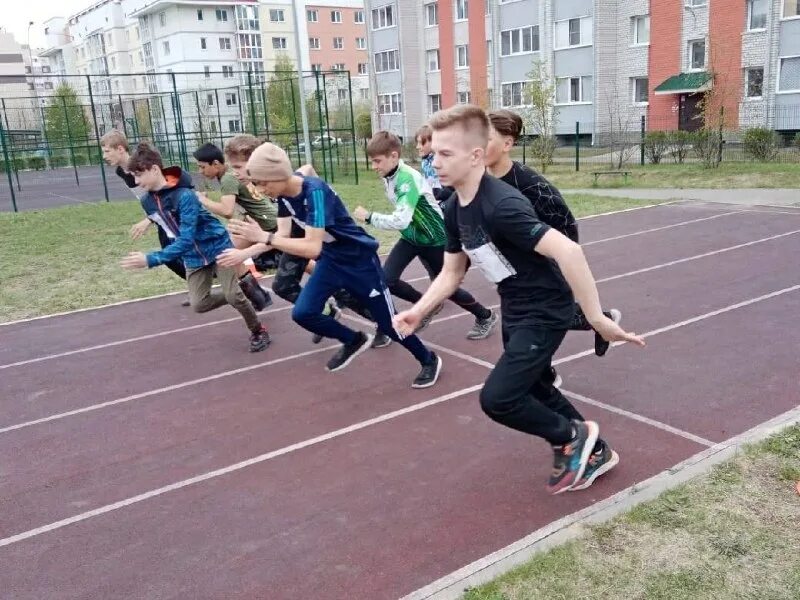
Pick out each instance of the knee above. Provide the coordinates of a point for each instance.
(302, 315)
(284, 288)
(493, 401)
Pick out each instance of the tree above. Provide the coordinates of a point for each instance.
(363, 124)
(541, 113)
(623, 134)
(65, 119)
(283, 97)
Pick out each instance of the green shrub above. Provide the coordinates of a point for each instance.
(655, 145)
(761, 144)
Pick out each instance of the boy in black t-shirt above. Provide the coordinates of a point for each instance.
(504, 130)
(534, 266)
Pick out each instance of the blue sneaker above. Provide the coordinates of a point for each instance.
(600, 462)
(569, 460)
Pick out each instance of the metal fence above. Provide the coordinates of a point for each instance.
(50, 150)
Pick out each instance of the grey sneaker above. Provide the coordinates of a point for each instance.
(429, 317)
(381, 340)
(483, 327)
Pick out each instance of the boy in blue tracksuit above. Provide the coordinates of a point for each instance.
(346, 259)
(198, 238)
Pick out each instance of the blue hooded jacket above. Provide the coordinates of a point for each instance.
(198, 237)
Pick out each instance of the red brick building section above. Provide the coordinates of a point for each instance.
(664, 61)
(447, 58)
(726, 21)
(478, 75)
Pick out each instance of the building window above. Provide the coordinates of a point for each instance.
(207, 72)
(338, 67)
(200, 15)
(362, 68)
(791, 8)
(227, 72)
(203, 45)
(210, 99)
(277, 15)
(234, 126)
(382, 17)
(754, 82)
(162, 19)
(387, 61)
(435, 102)
(697, 54)
(222, 15)
(224, 43)
(463, 97)
(462, 57)
(432, 60)
(364, 93)
(789, 77)
(113, 63)
(313, 43)
(279, 43)
(358, 17)
(573, 32)
(432, 14)
(390, 104)
(641, 30)
(316, 67)
(757, 14)
(165, 46)
(312, 16)
(336, 16)
(462, 8)
(212, 126)
(573, 90)
(695, 3)
(230, 99)
(640, 90)
(513, 93)
(341, 95)
(361, 44)
(519, 41)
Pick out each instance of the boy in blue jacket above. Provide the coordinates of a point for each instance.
(199, 239)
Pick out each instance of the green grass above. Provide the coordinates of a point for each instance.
(731, 534)
(68, 258)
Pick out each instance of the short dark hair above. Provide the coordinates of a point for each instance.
(424, 134)
(144, 158)
(383, 143)
(208, 153)
(506, 122)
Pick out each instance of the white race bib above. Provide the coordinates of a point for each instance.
(494, 266)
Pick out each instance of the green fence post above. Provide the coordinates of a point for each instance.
(219, 118)
(6, 159)
(69, 137)
(150, 119)
(122, 114)
(179, 126)
(641, 146)
(294, 119)
(44, 135)
(252, 102)
(8, 129)
(327, 128)
(321, 132)
(166, 129)
(266, 113)
(577, 146)
(524, 145)
(352, 124)
(97, 137)
(199, 117)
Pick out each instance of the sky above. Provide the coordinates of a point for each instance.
(16, 21)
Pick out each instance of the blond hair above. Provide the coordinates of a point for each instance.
(114, 139)
(470, 118)
(241, 146)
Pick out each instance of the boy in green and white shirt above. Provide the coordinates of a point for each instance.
(419, 219)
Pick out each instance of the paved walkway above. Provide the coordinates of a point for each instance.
(761, 196)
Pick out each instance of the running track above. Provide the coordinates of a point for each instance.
(146, 454)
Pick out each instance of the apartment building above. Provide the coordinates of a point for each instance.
(612, 62)
(14, 85)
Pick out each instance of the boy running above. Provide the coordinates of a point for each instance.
(199, 238)
(505, 129)
(115, 152)
(346, 257)
(419, 219)
(534, 266)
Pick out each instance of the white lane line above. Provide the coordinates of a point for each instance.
(664, 227)
(235, 467)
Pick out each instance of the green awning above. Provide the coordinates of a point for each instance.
(685, 83)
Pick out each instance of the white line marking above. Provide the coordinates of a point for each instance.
(654, 229)
(337, 433)
(569, 527)
(169, 388)
(122, 302)
(236, 467)
(585, 400)
(627, 210)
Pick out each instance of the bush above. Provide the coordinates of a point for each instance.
(708, 147)
(655, 145)
(542, 149)
(761, 143)
(36, 162)
(679, 142)
(797, 140)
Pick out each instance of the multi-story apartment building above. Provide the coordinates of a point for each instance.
(14, 85)
(607, 68)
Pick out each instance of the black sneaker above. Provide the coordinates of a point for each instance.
(259, 340)
(345, 355)
(186, 302)
(600, 345)
(600, 462)
(569, 460)
(259, 297)
(334, 312)
(381, 340)
(429, 373)
(483, 327)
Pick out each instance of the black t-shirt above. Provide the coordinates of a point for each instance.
(498, 230)
(545, 197)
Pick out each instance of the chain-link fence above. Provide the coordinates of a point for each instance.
(49, 144)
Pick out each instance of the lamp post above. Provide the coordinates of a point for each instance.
(36, 95)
